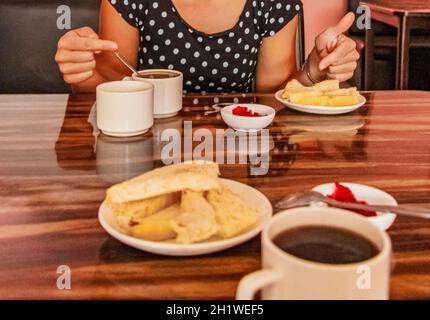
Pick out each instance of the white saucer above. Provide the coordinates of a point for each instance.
(250, 195)
(124, 134)
(371, 196)
(319, 109)
(164, 116)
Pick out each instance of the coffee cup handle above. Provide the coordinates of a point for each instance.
(251, 283)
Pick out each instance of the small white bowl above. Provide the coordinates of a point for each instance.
(248, 124)
(371, 196)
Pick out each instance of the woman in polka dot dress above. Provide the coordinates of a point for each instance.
(219, 45)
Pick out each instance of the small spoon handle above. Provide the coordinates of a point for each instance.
(401, 210)
(125, 63)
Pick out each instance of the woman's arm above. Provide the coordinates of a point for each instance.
(334, 56)
(86, 61)
(277, 61)
(113, 27)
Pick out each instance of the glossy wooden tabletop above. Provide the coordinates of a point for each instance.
(55, 168)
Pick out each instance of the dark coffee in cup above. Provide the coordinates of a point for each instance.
(157, 75)
(327, 245)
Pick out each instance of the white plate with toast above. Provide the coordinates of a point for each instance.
(251, 196)
(324, 110)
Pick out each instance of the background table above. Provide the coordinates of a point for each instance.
(405, 16)
(54, 171)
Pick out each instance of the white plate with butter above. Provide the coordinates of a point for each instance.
(324, 110)
(250, 195)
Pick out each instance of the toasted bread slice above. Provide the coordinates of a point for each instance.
(287, 94)
(232, 214)
(168, 179)
(294, 85)
(157, 227)
(327, 85)
(309, 99)
(197, 221)
(342, 101)
(343, 92)
(125, 212)
(325, 100)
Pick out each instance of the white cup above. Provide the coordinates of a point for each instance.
(286, 277)
(167, 91)
(125, 108)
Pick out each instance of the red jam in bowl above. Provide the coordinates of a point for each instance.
(245, 112)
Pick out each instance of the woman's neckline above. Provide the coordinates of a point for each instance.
(210, 35)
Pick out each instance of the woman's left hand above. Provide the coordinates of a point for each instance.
(335, 55)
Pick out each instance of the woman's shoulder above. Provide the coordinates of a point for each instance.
(276, 7)
(268, 5)
(132, 11)
(130, 5)
(273, 15)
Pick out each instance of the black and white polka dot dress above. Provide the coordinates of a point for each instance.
(222, 62)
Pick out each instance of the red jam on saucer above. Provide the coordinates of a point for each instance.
(344, 194)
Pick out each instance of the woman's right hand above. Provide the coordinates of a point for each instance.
(76, 54)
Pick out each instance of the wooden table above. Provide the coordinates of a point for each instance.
(405, 16)
(54, 172)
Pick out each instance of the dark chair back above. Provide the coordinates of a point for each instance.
(29, 35)
(301, 38)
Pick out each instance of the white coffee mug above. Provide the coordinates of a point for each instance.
(167, 91)
(287, 277)
(125, 108)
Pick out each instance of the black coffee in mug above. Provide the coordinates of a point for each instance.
(329, 245)
(157, 75)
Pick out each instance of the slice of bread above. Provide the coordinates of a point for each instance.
(340, 101)
(194, 176)
(327, 85)
(197, 221)
(232, 214)
(139, 209)
(309, 99)
(157, 227)
(310, 90)
(294, 85)
(343, 92)
(324, 100)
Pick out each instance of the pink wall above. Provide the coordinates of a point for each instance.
(319, 14)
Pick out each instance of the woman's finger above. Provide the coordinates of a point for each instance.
(342, 49)
(344, 68)
(77, 43)
(89, 33)
(330, 34)
(64, 56)
(73, 68)
(77, 77)
(86, 32)
(350, 57)
(341, 76)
